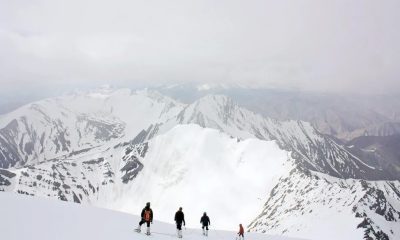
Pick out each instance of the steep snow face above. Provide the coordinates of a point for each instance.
(204, 170)
(49, 220)
(196, 168)
(316, 206)
(312, 149)
(54, 127)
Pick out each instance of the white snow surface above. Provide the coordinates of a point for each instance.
(23, 217)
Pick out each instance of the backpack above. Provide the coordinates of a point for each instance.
(147, 214)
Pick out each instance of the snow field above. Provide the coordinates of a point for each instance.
(23, 217)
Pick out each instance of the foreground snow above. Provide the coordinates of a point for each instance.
(24, 217)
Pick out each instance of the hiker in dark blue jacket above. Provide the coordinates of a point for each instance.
(205, 221)
(179, 219)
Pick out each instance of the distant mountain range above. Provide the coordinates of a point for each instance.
(345, 116)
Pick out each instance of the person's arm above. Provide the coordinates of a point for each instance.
(142, 214)
(151, 215)
(183, 217)
(175, 217)
(209, 222)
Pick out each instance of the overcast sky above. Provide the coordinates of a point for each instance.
(309, 45)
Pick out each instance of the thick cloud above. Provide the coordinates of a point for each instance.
(310, 45)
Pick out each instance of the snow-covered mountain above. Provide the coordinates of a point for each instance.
(194, 167)
(189, 166)
(211, 155)
(345, 116)
(51, 128)
(313, 150)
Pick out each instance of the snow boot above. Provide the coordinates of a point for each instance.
(138, 229)
(204, 232)
(148, 231)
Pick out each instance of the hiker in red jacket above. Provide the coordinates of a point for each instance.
(147, 217)
(241, 232)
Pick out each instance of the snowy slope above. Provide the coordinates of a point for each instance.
(206, 170)
(39, 219)
(316, 206)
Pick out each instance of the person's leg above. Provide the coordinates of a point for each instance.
(178, 228)
(140, 225)
(148, 228)
(207, 230)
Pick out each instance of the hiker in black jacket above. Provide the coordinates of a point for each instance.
(147, 217)
(205, 221)
(179, 219)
